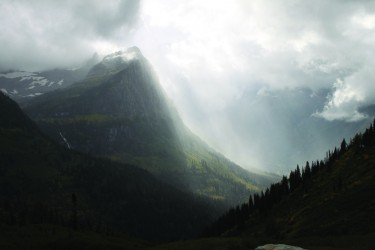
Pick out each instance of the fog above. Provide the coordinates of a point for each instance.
(268, 83)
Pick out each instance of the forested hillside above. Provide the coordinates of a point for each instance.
(328, 199)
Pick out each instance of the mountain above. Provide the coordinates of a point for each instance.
(120, 111)
(327, 203)
(45, 184)
(22, 85)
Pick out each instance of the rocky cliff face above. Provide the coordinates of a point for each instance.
(118, 111)
(132, 91)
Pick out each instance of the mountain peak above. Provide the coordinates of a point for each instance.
(116, 61)
(127, 55)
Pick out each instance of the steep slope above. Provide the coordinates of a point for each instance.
(327, 203)
(120, 111)
(42, 182)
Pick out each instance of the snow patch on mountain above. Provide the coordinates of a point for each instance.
(65, 140)
(33, 95)
(20, 84)
(41, 81)
(17, 74)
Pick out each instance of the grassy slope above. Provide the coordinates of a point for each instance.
(205, 171)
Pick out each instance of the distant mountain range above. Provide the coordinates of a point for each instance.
(22, 84)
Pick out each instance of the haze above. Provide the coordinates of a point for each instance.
(255, 79)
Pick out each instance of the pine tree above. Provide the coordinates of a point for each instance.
(251, 204)
(308, 170)
(284, 186)
(298, 176)
(343, 146)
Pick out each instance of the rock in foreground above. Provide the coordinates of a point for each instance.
(278, 247)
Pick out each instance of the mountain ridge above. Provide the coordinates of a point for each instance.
(120, 111)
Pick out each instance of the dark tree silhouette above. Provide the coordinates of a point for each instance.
(74, 218)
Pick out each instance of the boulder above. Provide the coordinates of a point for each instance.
(278, 247)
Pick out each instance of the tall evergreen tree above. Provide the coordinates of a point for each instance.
(343, 146)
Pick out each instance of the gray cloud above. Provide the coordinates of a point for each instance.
(228, 52)
(35, 35)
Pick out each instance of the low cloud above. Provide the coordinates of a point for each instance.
(349, 95)
(39, 34)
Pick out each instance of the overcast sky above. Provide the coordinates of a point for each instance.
(208, 53)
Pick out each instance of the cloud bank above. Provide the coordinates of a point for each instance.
(222, 47)
(40, 34)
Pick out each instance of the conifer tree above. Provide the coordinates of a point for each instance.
(251, 204)
(343, 146)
